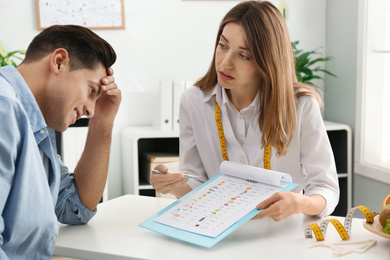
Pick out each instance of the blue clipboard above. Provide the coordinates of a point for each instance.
(193, 238)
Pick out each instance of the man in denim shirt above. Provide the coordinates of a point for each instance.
(66, 74)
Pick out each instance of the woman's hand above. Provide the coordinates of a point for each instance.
(284, 204)
(173, 183)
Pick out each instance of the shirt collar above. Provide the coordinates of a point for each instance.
(217, 92)
(223, 99)
(256, 102)
(26, 97)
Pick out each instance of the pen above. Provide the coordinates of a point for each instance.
(188, 176)
(158, 172)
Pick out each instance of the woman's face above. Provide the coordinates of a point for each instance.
(234, 64)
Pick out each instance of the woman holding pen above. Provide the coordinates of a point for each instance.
(249, 108)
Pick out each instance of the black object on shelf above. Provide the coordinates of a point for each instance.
(339, 142)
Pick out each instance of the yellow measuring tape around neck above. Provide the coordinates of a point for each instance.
(267, 156)
(267, 149)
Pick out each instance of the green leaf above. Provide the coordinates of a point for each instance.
(304, 62)
(6, 58)
(12, 53)
(327, 72)
(2, 51)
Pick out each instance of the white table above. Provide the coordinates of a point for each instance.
(114, 234)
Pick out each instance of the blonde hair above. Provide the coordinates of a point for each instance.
(269, 44)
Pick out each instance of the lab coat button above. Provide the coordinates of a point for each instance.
(242, 160)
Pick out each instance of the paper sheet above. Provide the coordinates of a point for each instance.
(215, 207)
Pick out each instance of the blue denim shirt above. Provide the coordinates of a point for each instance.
(30, 202)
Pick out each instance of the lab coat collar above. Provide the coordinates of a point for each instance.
(217, 91)
(222, 98)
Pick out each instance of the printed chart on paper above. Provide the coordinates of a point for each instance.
(217, 206)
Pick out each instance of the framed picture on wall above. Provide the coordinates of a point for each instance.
(94, 14)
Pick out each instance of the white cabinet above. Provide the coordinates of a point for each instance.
(340, 137)
(137, 140)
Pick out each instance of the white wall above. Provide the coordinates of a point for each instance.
(340, 101)
(341, 44)
(163, 40)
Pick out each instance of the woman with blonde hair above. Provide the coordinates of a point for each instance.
(249, 108)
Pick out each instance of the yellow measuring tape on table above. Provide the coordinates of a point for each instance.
(344, 231)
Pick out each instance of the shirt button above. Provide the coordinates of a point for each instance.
(53, 238)
(42, 132)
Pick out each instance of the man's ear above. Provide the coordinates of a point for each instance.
(59, 60)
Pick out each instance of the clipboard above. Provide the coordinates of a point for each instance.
(205, 240)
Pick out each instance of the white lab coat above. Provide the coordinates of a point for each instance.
(309, 159)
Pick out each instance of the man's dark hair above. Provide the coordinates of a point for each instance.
(85, 48)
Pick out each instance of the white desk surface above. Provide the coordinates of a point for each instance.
(114, 234)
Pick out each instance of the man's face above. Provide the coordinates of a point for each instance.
(73, 94)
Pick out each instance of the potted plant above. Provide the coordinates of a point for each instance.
(304, 62)
(7, 58)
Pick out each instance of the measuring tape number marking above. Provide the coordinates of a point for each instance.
(220, 130)
(267, 149)
(344, 231)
